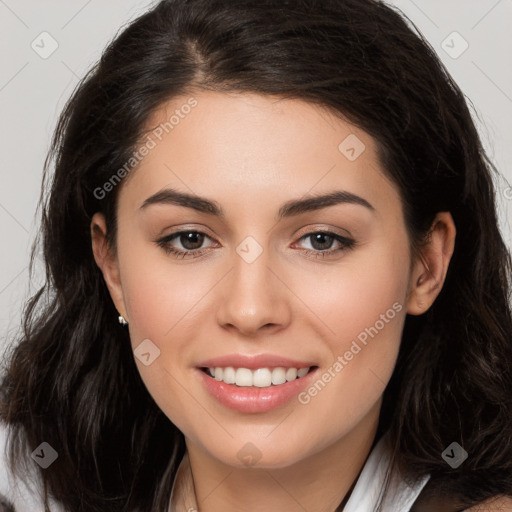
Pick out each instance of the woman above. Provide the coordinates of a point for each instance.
(275, 275)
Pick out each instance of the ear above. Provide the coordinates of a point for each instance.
(429, 270)
(107, 261)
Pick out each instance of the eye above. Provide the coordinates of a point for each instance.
(321, 243)
(191, 243)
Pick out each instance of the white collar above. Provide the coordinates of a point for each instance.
(370, 485)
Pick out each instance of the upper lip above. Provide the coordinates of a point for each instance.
(254, 362)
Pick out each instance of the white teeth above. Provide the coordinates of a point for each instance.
(291, 374)
(261, 378)
(243, 377)
(302, 372)
(229, 375)
(278, 376)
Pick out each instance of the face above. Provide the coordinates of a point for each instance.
(251, 274)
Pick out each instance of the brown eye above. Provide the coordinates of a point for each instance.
(191, 240)
(184, 244)
(321, 243)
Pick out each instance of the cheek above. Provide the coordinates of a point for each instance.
(158, 293)
(168, 304)
(355, 295)
(360, 308)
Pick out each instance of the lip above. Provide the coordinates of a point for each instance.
(252, 399)
(254, 362)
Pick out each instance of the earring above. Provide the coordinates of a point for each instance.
(122, 321)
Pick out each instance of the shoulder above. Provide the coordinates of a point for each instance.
(499, 504)
(16, 494)
(6, 503)
(10, 492)
(4, 470)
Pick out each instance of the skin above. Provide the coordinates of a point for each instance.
(252, 153)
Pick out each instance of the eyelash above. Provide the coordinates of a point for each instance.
(164, 243)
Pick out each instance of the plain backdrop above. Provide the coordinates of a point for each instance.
(48, 45)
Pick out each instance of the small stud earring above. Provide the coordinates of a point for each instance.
(122, 321)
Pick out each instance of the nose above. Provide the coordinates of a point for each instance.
(253, 298)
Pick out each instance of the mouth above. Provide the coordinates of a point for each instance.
(255, 383)
(256, 390)
(265, 377)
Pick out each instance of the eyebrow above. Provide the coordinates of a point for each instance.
(289, 209)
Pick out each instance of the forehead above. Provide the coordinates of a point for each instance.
(245, 145)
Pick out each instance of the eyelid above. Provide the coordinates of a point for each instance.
(175, 235)
(307, 230)
(346, 244)
(311, 229)
(344, 241)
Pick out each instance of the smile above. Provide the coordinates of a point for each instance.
(259, 377)
(256, 390)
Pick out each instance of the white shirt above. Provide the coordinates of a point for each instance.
(364, 497)
(369, 485)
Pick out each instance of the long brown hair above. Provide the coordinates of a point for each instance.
(71, 379)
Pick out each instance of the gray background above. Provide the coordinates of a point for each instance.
(34, 89)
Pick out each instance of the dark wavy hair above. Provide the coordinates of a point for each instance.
(71, 379)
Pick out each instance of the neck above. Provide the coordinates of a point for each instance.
(318, 483)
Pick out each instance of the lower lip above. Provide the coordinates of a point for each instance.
(253, 399)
